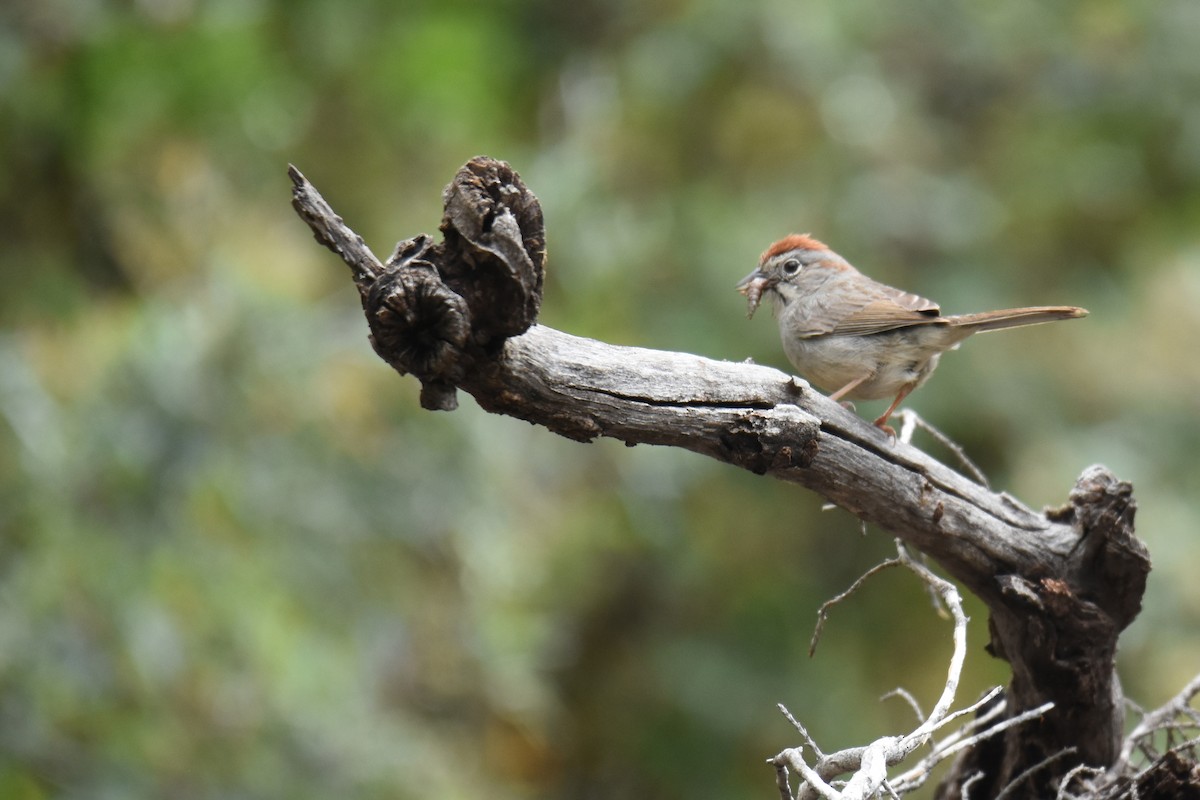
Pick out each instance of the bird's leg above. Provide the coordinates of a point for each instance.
(881, 423)
(849, 387)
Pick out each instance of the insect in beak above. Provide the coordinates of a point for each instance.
(753, 286)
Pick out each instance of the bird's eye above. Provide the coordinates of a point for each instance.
(791, 266)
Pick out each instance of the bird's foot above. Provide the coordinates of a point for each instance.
(888, 429)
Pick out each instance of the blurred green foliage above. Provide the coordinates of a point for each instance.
(238, 561)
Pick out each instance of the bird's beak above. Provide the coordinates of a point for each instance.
(753, 286)
(743, 285)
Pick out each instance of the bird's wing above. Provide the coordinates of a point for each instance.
(885, 309)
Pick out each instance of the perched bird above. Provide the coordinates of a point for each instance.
(857, 338)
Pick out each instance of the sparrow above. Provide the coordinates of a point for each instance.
(860, 339)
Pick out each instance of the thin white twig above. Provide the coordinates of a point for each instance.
(1158, 719)
(921, 772)
(781, 779)
(1045, 762)
(1073, 773)
(953, 601)
(999, 727)
(796, 761)
(975, 778)
(868, 766)
(907, 697)
(978, 704)
(909, 420)
(803, 731)
(870, 769)
(908, 424)
(948, 746)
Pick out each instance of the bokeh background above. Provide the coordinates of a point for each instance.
(238, 561)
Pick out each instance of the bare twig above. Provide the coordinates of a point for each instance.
(823, 611)
(907, 697)
(781, 780)
(969, 782)
(1164, 742)
(808, 740)
(1162, 718)
(793, 758)
(911, 419)
(1081, 772)
(868, 765)
(921, 772)
(982, 719)
(1013, 785)
(331, 231)
(952, 600)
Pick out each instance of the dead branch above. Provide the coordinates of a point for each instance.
(1060, 585)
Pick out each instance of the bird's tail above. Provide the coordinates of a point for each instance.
(1015, 317)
